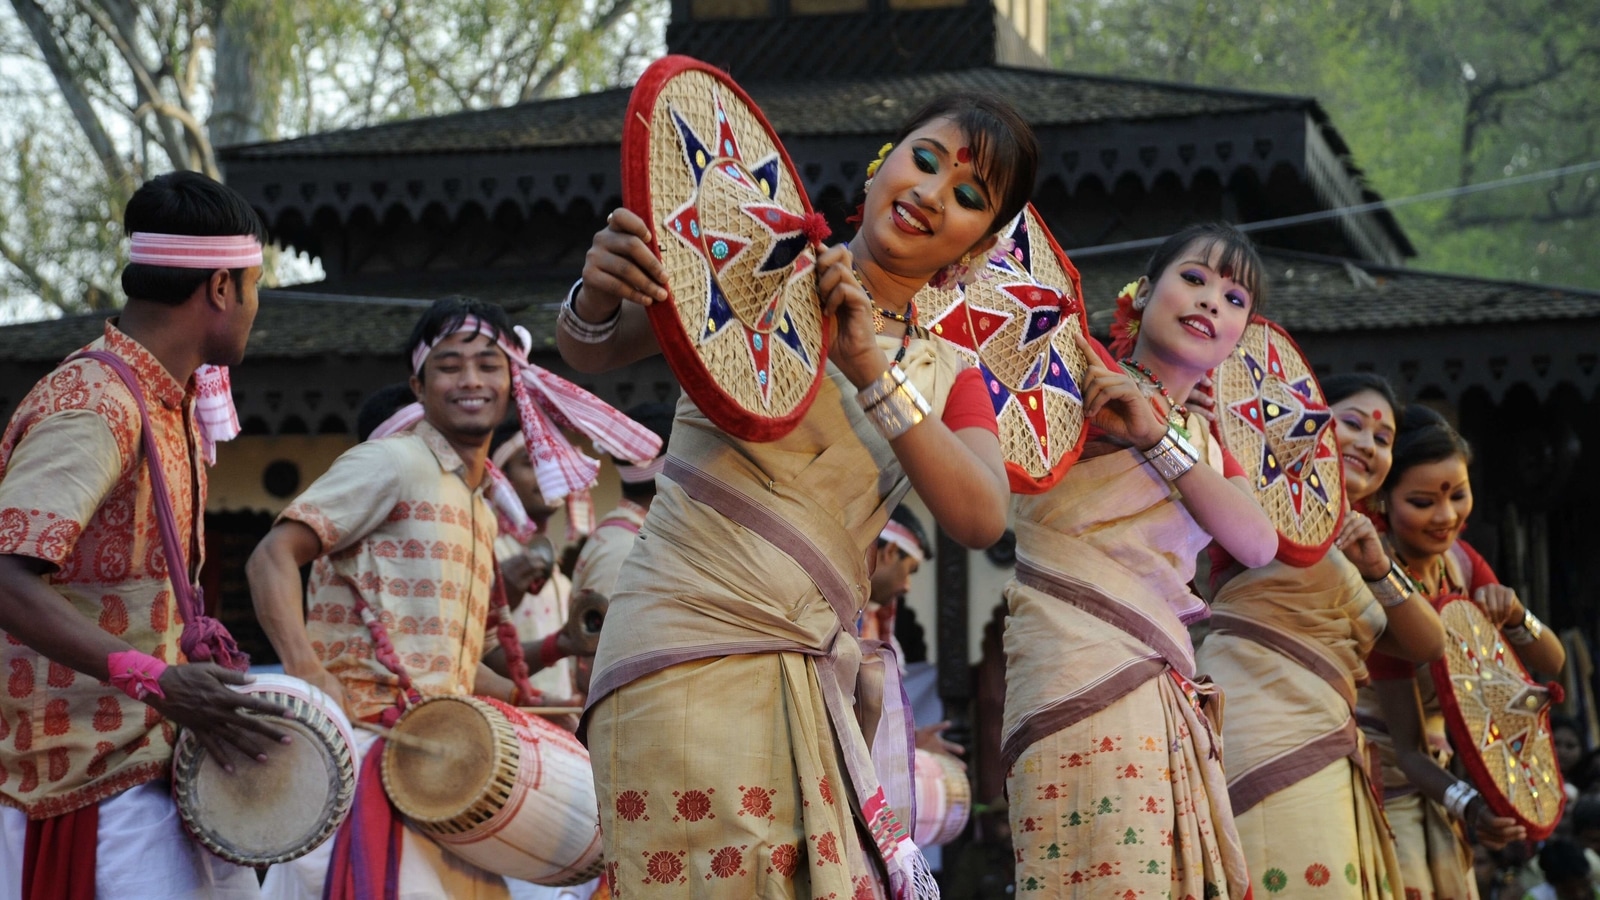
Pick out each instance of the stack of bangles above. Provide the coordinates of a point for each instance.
(1172, 456)
(1393, 588)
(1525, 632)
(1457, 798)
(894, 405)
(585, 332)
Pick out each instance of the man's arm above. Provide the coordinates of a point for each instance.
(279, 598)
(197, 696)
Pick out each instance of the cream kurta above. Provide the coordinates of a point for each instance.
(1288, 646)
(724, 763)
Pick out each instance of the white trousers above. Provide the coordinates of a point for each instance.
(143, 853)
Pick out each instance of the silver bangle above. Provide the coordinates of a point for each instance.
(1394, 588)
(1457, 798)
(1173, 456)
(1525, 633)
(899, 412)
(582, 331)
(881, 387)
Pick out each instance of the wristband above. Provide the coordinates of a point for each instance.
(1525, 633)
(1393, 588)
(1172, 456)
(1457, 798)
(136, 674)
(899, 412)
(582, 331)
(550, 651)
(880, 388)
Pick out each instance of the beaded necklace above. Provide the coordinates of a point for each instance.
(1178, 414)
(907, 318)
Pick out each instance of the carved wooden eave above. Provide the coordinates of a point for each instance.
(559, 158)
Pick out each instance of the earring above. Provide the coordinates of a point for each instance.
(1141, 301)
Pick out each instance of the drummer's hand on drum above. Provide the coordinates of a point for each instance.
(198, 698)
(325, 681)
(1492, 830)
(619, 266)
(855, 347)
(1113, 401)
(1359, 541)
(1500, 604)
(931, 737)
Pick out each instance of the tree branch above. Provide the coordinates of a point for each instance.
(601, 25)
(144, 81)
(41, 28)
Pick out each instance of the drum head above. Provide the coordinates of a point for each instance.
(743, 329)
(1499, 720)
(1274, 419)
(1016, 323)
(438, 783)
(272, 812)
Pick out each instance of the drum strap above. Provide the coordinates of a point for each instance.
(505, 633)
(367, 847)
(204, 639)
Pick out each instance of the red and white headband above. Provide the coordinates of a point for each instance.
(214, 410)
(194, 251)
(901, 537)
(547, 404)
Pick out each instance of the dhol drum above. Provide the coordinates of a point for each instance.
(944, 799)
(507, 792)
(281, 809)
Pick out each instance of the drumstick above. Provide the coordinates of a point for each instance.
(409, 741)
(551, 710)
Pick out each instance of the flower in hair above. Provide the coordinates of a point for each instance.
(883, 154)
(1125, 324)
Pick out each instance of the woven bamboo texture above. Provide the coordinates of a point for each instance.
(1274, 419)
(724, 205)
(1499, 720)
(1016, 322)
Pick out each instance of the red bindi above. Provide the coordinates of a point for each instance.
(1444, 488)
(964, 154)
(1377, 415)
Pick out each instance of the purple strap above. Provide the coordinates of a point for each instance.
(204, 639)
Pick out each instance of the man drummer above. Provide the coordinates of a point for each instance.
(400, 527)
(97, 653)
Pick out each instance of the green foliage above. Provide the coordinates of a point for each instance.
(102, 94)
(1429, 94)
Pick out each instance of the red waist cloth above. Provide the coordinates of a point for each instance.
(58, 856)
(366, 849)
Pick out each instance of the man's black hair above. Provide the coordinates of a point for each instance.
(380, 405)
(658, 418)
(1562, 861)
(183, 203)
(446, 315)
(903, 515)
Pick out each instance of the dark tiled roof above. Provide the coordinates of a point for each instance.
(828, 107)
(310, 320)
(1309, 294)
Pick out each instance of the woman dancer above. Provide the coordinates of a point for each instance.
(1288, 647)
(1425, 502)
(1115, 780)
(727, 758)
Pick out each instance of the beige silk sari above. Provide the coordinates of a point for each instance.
(740, 732)
(1435, 857)
(1288, 646)
(1115, 771)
